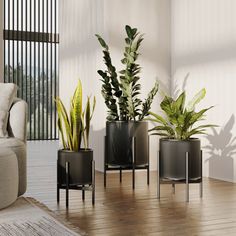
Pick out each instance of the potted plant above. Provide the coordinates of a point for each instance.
(177, 129)
(126, 145)
(75, 165)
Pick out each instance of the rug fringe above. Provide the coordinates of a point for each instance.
(61, 219)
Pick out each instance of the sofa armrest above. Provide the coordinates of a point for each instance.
(17, 125)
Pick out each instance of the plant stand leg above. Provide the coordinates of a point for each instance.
(83, 193)
(105, 177)
(120, 175)
(58, 187)
(158, 175)
(187, 176)
(93, 182)
(134, 160)
(105, 158)
(133, 177)
(58, 193)
(67, 183)
(148, 167)
(173, 188)
(201, 183)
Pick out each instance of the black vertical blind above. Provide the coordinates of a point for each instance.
(30, 56)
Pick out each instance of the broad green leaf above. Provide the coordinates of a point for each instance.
(180, 101)
(166, 105)
(197, 116)
(196, 99)
(158, 118)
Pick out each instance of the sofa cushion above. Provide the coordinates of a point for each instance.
(19, 148)
(7, 95)
(11, 143)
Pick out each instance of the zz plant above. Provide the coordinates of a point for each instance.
(180, 119)
(74, 126)
(121, 90)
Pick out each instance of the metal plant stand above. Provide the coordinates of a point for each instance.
(187, 180)
(133, 166)
(83, 187)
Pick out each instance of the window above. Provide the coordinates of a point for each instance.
(31, 60)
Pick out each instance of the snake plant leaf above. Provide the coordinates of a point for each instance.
(196, 99)
(87, 121)
(62, 133)
(94, 105)
(73, 128)
(76, 104)
(63, 117)
(83, 128)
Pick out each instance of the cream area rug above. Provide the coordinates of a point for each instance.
(27, 217)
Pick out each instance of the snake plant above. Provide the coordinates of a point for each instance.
(74, 126)
(180, 120)
(121, 90)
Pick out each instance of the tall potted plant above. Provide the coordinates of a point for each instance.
(75, 165)
(126, 132)
(177, 129)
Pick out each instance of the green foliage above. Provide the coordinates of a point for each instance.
(180, 120)
(110, 88)
(146, 106)
(121, 93)
(75, 125)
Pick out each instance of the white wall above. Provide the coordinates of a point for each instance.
(203, 37)
(81, 56)
(1, 41)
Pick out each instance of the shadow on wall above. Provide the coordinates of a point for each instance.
(222, 147)
(175, 90)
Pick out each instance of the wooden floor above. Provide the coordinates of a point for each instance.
(120, 211)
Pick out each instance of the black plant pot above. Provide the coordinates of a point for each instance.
(75, 170)
(80, 164)
(119, 141)
(126, 147)
(173, 159)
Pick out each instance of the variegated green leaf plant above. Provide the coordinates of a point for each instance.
(180, 120)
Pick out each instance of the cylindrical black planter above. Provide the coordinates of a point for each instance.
(173, 158)
(80, 167)
(119, 135)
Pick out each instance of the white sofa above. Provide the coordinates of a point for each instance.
(17, 139)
